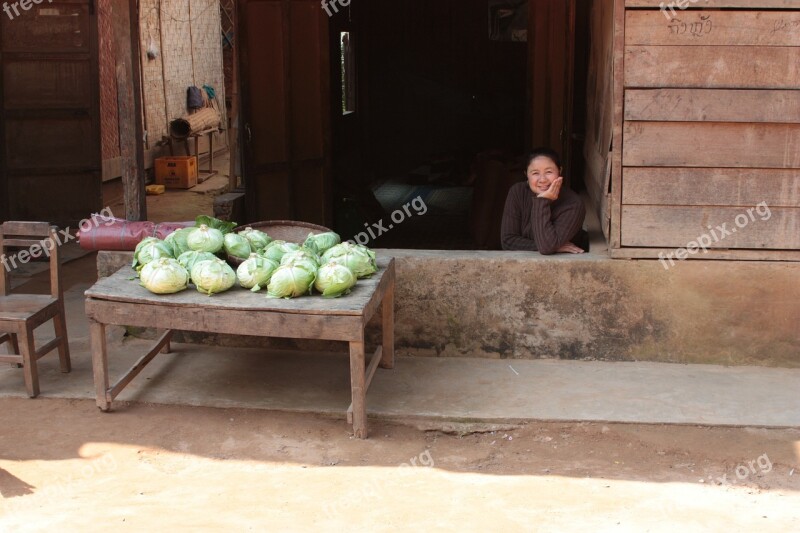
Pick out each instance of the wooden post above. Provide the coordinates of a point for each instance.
(131, 130)
(233, 129)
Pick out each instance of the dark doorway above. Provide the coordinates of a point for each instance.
(445, 97)
(434, 93)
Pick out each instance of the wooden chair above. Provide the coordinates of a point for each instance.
(21, 314)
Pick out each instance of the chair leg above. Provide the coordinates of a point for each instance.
(13, 348)
(14, 343)
(60, 326)
(29, 360)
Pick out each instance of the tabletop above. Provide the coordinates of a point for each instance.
(122, 286)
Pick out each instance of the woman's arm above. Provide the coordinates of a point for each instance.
(511, 228)
(554, 231)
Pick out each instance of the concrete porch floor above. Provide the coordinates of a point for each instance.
(438, 393)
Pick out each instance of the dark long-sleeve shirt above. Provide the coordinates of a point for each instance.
(531, 223)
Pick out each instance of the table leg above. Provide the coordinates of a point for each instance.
(358, 389)
(387, 361)
(100, 363)
(211, 151)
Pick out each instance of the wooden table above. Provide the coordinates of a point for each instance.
(121, 301)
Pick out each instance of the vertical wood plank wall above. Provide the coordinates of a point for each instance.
(600, 109)
(711, 129)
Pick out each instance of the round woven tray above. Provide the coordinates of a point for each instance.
(281, 230)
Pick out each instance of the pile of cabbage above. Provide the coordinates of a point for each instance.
(321, 264)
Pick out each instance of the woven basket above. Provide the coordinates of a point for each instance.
(281, 230)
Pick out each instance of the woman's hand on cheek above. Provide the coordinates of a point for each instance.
(554, 190)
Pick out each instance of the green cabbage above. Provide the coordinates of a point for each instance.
(189, 259)
(322, 242)
(256, 272)
(212, 277)
(237, 246)
(205, 239)
(334, 280)
(277, 249)
(149, 250)
(258, 239)
(291, 281)
(359, 259)
(164, 276)
(302, 255)
(177, 239)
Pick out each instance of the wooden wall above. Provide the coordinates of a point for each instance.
(600, 109)
(710, 128)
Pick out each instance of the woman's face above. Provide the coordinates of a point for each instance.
(541, 173)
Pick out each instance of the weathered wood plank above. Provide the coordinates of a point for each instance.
(711, 186)
(706, 27)
(712, 105)
(228, 320)
(718, 255)
(618, 140)
(386, 281)
(119, 287)
(710, 4)
(701, 144)
(713, 67)
(26, 229)
(600, 108)
(720, 227)
(129, 85)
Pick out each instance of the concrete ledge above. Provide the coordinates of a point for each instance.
(519, 305)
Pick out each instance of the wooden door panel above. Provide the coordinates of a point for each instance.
(58, 27)
(67, 142)
(31, 192)
(266, 84)
(285, 104)
(307, 183)
(550, 60)
(45, 84)
(51, 169)
(307, 83)
(274, 187)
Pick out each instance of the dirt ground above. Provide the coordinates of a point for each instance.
(65, 466)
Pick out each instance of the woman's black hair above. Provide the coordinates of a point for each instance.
(544, 152)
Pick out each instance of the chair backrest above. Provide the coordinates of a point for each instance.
(30, 240)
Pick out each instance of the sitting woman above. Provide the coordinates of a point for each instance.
(539, 214)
